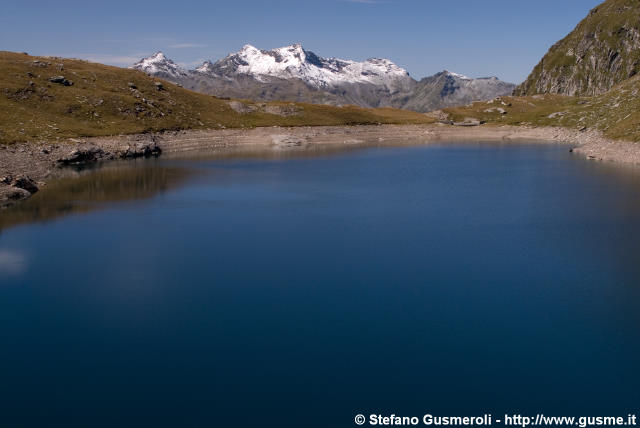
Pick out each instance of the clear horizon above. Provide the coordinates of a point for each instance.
(505, 39)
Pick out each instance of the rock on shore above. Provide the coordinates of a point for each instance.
(26, 167)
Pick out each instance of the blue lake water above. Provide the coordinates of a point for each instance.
(301, 290)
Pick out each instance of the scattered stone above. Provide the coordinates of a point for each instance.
(438, 115)
(61, 80)
(286, 141)
(141, 150)
(557, 114)
(497, 109)
(38, 63)
(85, 155)
(242, 108)
(26, 183)
(469, 121)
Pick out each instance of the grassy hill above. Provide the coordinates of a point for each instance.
(92, 99)
(602, 51)
(616, 113)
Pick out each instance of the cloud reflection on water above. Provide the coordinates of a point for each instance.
(12, 262)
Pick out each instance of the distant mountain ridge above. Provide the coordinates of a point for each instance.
(602, 51)
(292, 73)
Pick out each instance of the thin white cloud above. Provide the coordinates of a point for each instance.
(187, 46)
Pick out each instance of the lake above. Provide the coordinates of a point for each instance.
(302, 288)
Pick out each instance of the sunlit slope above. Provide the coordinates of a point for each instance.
(90, 99)
(602, 51)
(616, 113)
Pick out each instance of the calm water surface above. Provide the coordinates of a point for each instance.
(299, 291)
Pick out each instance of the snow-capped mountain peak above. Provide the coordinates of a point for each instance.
(158, 64)
(276, 62)
(295, 62)
(288, 62)
(293, 73)
(206, 67)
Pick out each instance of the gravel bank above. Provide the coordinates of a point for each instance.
(25, 165)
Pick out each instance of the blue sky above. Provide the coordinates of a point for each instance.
(476, 38)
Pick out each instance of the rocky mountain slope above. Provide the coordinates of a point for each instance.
(292, 73)
(602, 51)
(447, 89)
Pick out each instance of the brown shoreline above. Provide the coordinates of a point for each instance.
(39, 161)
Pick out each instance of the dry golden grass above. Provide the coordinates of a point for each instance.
(101, 101)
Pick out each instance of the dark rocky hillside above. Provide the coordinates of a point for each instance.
(602, 51)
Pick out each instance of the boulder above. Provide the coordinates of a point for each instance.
(84, 155)
(16, 194)
(139, 150)
(60, 80)
(16, 188)
(26, 183)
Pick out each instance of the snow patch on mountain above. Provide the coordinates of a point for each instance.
(459, 76)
